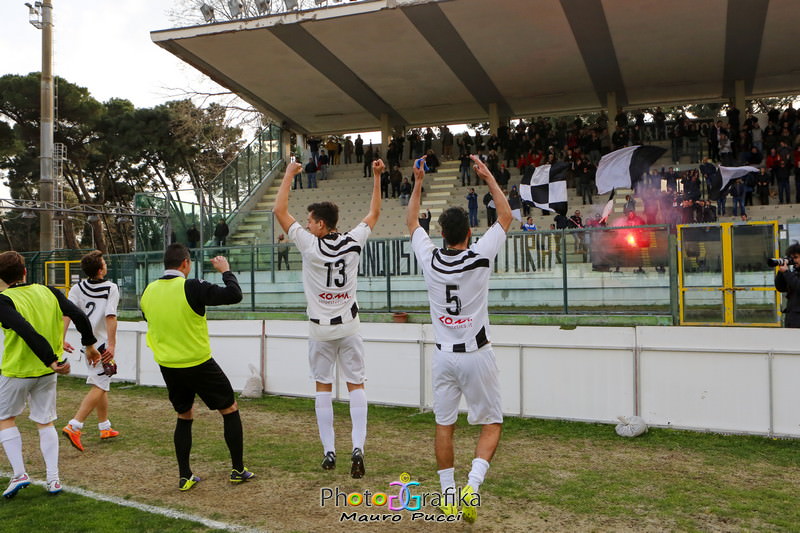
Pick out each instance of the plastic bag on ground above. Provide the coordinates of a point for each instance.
(631, 426)
(253, 387)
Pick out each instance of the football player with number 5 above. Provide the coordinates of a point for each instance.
(457, 278)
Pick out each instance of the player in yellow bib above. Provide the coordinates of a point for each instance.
(31, 315)
(175, 310)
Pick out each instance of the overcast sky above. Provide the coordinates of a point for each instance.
(104, 46)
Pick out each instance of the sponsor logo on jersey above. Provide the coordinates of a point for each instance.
(455, 323)
(334, 297)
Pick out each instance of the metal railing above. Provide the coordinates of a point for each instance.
(175, 212)
(596, 271)
(569, 271)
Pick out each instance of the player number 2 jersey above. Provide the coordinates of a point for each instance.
(458, 288)
(98, 299)
(330, 272)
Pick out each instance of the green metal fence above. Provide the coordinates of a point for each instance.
(613, 270)
(599, 271)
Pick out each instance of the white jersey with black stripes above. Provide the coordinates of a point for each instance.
(330, 272)
(458, 288)
(98, 299)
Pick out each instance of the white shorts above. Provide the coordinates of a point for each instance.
(348, 351)
(39, 393)
(473, 374)
(101, 381)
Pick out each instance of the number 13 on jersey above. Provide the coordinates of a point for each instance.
(337, 276)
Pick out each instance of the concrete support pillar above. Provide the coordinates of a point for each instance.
(494, 119)
(302, 149)
(611, 111)
(386, 134)
(286, 143)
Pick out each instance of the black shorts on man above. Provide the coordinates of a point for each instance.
(206, 380)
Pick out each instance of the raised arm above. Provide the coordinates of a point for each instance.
(375, 204)
(504, 216)
(281, 209)
(412, 214)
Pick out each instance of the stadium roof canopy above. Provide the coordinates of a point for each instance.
(354, 66)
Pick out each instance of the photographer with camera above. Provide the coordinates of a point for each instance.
(788, 280)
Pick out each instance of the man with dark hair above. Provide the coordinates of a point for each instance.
(472, 206)
(788, 280)
(359, 146)
(385, 182)
(369, 157)
(324, 161)
(311, 173)
(175, 310)
(193, 236)
(330, 271)
(221, 232)
(31, 316)
(457, 277)
(283, 251)
(425, 221)
(491, 211)
(99, 298)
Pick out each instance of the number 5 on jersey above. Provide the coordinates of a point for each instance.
(452, 298)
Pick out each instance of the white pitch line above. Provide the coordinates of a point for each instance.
(163, 511)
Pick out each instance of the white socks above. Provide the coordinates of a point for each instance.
(12, 444)
(324, 408)
(78, 426)
(478, 473)
(358, 416)
(48, 443)
(447, 478)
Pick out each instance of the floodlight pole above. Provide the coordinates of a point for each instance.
(46, 236)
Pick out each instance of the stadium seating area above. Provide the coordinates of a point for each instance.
(685, 144)
(351, 191)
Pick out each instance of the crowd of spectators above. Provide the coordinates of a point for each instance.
(667, 195)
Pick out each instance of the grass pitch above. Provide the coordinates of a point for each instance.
(547, 475)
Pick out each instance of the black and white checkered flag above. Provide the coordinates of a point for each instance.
(623, 168)
(546, 187)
